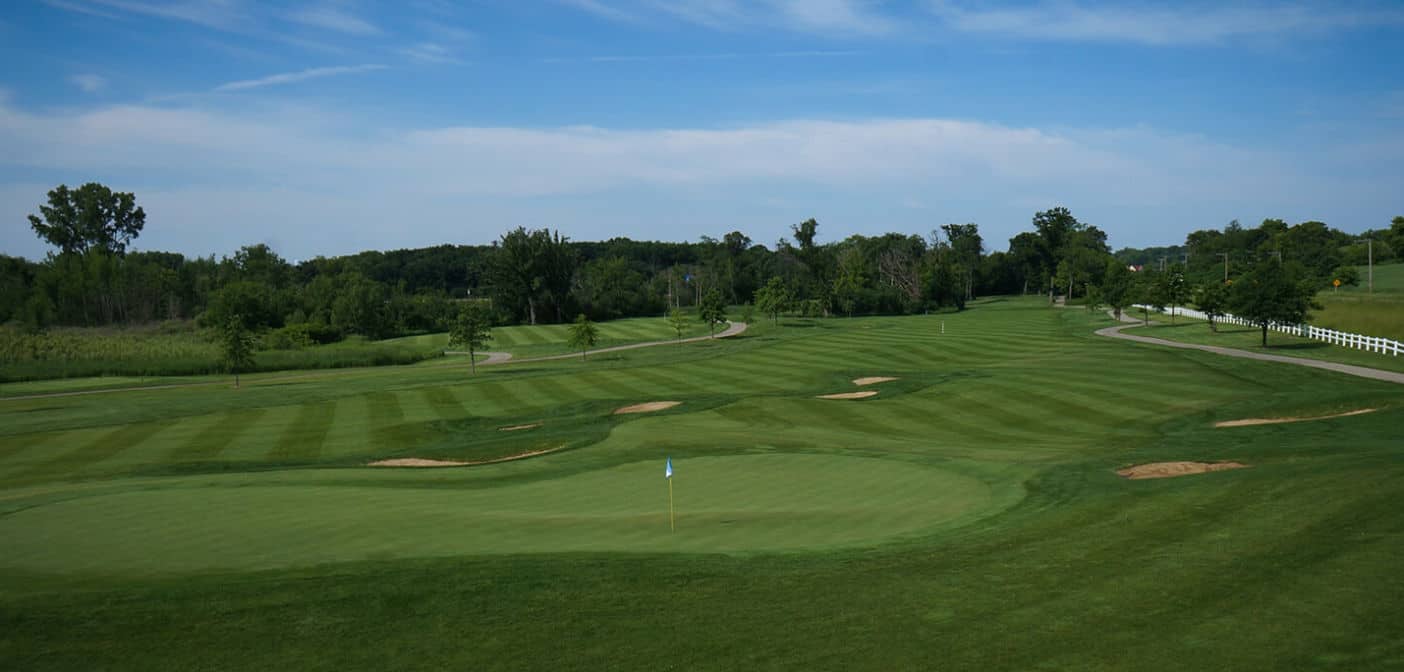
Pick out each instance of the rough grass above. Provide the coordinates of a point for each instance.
(811, 535)
(145, 353)
(1361, 311)
(1188, 330)
(1381, 314)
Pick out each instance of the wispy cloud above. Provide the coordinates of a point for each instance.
(717, 14)
(837, 16)
(831, 17)
(1175, 24)
(331, 18)
(431, 52)
(217, 14)
(299, 76)
(88, 82)
(719, 56)
(79, 8)
(602, 10)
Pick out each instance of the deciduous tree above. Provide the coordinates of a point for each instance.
(1212, 300)
(1272, 293)
(236, 346)
(471, 330)
(678, 322)
(583, 334)
(91, 217)
(712, 311)
(774, 298)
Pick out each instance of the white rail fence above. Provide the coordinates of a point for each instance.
(1378, 344)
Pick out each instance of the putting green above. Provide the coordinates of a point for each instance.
(762, 502)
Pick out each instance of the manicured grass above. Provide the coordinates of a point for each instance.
(967, 517)
(551, 339)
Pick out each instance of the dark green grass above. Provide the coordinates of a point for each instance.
(1290, 564)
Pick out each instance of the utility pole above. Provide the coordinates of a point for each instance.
(1371, 247)
(1225, 256)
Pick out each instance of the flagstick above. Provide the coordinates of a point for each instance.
(671, 527)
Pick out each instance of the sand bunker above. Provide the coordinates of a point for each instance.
(422, 462)
(1247, 422)
(646, 407)
(518, 428)
(1173, 469)
(417, 462)
(849, 395)
(872, 380)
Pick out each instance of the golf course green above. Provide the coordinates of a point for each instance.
(966, 516)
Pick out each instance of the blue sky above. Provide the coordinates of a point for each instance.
(332, 127)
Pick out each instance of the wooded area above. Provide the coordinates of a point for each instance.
(537, 276)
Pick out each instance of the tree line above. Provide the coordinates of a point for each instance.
(92, 278)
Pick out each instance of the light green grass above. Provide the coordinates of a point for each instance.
(967, 517)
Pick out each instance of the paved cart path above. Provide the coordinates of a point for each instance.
(1348, 369)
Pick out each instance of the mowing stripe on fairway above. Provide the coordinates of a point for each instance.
(220, 431)
(384, 412)
(104, 446)
(446, 406)
(302, 440)
(495, 398)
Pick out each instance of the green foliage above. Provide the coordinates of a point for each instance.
(1347, 275)
(678, 321)
(471, 330)
(1272, 292)
(531, 270)
(253, 303)
(1171, 290)
(583, 335)
(291, 337)
(1117, 287)
(236, 346)
(91, 217)
(149, 351)
(774, 298)
(712, 311)
(1212, 299)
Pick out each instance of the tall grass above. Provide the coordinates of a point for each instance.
(173, 351)
(1380, 314)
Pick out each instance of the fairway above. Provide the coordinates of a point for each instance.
(550, 339)
(972, 504)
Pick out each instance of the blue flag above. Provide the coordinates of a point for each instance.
(668, 470)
